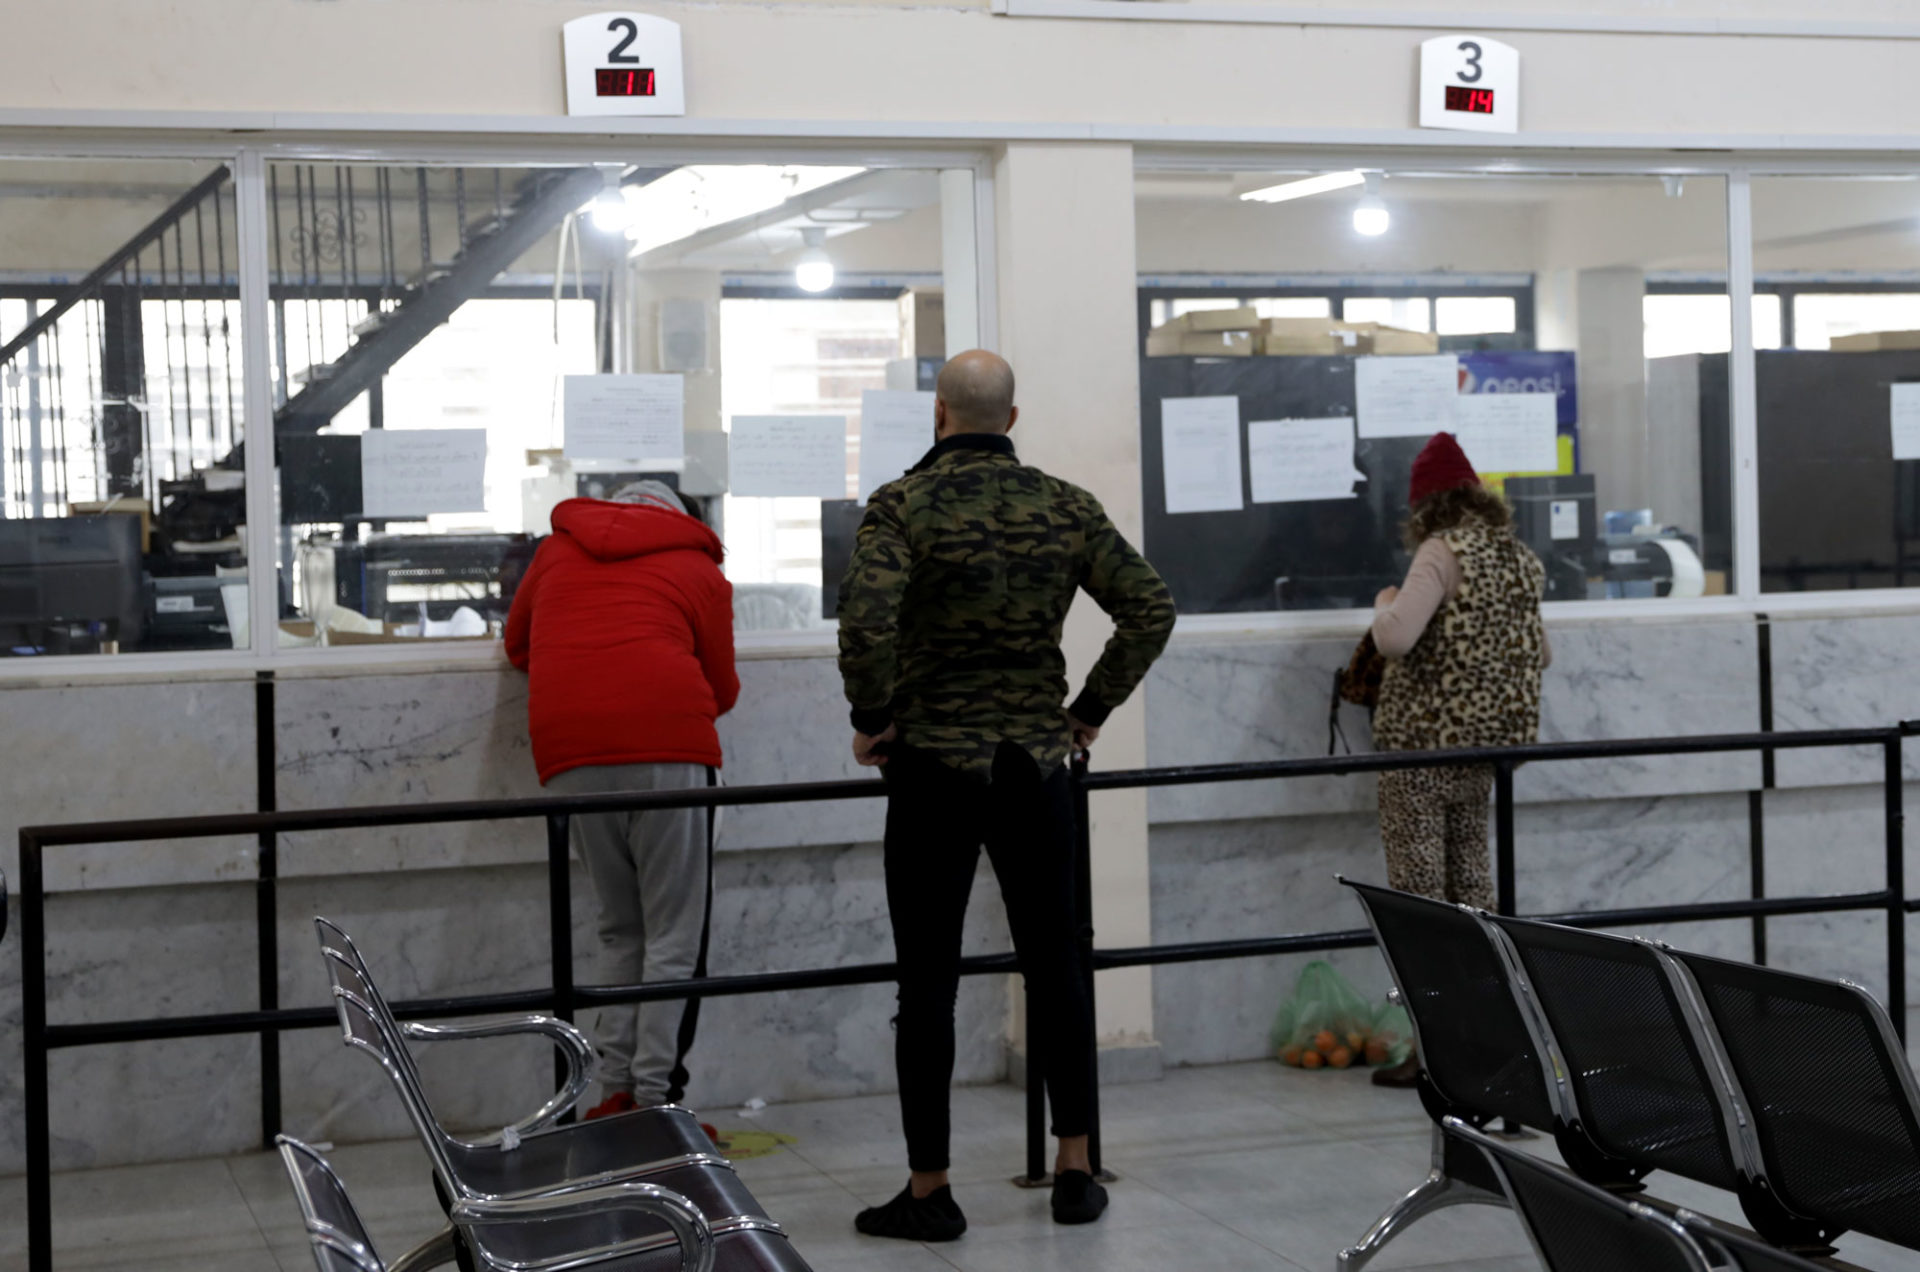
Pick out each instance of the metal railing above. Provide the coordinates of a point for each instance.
(564, 997)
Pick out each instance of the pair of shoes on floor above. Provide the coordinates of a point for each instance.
(623, 1102)
(1402, 1075)
(1077, 1198)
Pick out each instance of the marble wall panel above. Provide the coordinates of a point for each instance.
(103, 752)
(1844, 673)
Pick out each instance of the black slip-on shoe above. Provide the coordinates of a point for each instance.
(1077, 1197)
(932, 1218)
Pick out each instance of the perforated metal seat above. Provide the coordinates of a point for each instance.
(1577, 1227)
(1743, 1253)
(1835, 1109)
(621, 1227)
(1481, 1052)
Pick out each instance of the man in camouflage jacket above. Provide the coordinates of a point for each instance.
(950, 619)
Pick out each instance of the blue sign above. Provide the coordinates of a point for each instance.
(1525, 372)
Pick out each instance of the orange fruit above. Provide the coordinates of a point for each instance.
(1310, 1059)
(1290, 1055)
(1340, 1058)
(1324, 1041)
(1376, 1052)
(1357, 1041)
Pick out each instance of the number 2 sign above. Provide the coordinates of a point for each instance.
(623, 64)
(1469, 82)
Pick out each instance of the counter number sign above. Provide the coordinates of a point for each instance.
(623, 64)
(1469, 83)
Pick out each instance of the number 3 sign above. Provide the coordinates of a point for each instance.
(623, 64)
(1469, 82)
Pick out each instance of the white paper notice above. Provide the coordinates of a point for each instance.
(1906, 421)
(410, 472)
(1406, 396)
(798, 456)
(1200, 454)
(1510, 432)
(625, 417)
(896, 432)
(1290, 461)
(1563, 519)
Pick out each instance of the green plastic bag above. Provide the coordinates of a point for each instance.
(1327, 1023)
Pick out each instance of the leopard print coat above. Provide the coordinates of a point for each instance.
(1473, 678)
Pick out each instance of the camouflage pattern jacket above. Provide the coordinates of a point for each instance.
(951, 610)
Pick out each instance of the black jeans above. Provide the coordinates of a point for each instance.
(937, 820)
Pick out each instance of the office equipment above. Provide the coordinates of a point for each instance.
(70, 584)
(1558, 518)
(188, 612)
(389, 576)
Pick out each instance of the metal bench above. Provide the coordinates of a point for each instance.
(1482, 1055)
(1835, 1109)
(1647, 1079)
(535, 1156)
(340, 1242)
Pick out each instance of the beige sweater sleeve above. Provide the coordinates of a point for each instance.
(1431, 581)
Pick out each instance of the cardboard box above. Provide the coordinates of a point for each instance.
(1392, 340)
(1242, 319)
(1876, 341)
(1308, 337)
(1162, 343)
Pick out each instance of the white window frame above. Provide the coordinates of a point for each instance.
(249, 165)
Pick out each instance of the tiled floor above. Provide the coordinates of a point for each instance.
(1239, 1168)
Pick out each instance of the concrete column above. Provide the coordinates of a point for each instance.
(1065, 245)
(1613, 384)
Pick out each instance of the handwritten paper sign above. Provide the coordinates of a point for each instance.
(1292, 461)
(896, 432)
(1200, 454)
(1906, 421)
(799, 456)
(1510, 432)
(625, 417)
(410, 472)
(1406, 396)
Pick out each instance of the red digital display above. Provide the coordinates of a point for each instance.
(1474, 101)
(638, 82)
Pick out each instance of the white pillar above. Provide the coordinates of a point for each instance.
(1065, 244)
(1613, 384)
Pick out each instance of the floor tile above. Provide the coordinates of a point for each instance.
(1189, 1247)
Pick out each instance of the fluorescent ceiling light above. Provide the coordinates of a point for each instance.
(1304, 187)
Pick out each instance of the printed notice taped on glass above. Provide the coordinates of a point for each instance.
(1200, 454)
(410, 472)
(1406, 396)
(1510, 432)
(896, 432)
(1292, 461)
(1906, 421)
(625, 417)
(788, 456)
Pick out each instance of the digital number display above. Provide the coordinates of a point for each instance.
(638, 82)
(1474, 101)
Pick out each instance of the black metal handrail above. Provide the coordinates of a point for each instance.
(563, 996)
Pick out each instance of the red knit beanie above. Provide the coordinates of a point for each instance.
(1441, 465)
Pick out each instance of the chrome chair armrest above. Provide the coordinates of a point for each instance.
(682, 1217)
(574, 1045)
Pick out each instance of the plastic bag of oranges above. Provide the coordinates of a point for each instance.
(1329, 1024)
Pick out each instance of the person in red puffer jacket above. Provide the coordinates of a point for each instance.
(624, 624)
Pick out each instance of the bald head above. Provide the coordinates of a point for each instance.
(974, 395)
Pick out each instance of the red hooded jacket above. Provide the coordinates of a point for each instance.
(625, 625)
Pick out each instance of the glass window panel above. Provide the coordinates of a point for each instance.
(1638, 458)
(1839, 480)
(1474, 315)
(122, 493)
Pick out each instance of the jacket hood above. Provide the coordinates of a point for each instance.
(618, 532)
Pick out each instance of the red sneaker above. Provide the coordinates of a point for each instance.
(618, 1102)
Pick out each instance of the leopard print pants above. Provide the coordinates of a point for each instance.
(1434, 824)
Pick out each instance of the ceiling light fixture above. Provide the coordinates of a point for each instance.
(611, 212)
(1370, 216)
(1306, 186)
(813, 272)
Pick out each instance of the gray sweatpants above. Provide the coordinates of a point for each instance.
(650, 871)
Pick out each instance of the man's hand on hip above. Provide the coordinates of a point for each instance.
(867, 750)
(1084, 735)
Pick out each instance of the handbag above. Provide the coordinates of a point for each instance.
(1359, 683)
